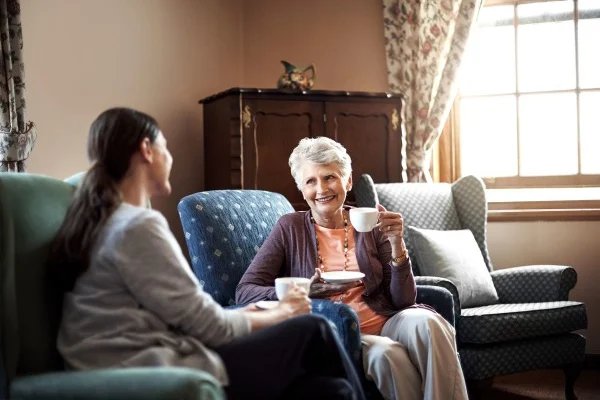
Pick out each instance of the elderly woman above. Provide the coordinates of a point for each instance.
(409, 351)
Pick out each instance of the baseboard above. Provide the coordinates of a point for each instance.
(592, 361)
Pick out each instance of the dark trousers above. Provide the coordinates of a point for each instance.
(301, 358)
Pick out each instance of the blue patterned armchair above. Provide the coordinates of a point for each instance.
(532, 325)
(225, 228)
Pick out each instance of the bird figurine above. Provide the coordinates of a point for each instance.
(296, 79)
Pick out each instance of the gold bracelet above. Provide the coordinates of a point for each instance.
(401, 259)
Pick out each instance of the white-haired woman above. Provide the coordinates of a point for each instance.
(409, 350)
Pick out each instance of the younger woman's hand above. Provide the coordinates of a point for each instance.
(295, 302)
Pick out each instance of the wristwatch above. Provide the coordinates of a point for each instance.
(400, 259)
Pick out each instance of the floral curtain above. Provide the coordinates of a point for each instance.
(17, 136)
(424, 42)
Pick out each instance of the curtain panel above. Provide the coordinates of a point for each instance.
(425, 41)
(17, 136)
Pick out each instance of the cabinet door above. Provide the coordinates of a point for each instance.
(373, 134)
(270, 131)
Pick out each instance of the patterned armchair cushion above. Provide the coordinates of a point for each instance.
(505, 322)
(481, 362)
(455, 255)
(223, 230)
(534, 283)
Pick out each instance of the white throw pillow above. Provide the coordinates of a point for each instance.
(454, 255)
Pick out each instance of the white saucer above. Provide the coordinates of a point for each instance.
(342, 276)
(267, 304)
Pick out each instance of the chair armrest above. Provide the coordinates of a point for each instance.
(160, 383)
(345, 322)
(439, 298)
(441, 282)
(534, 283)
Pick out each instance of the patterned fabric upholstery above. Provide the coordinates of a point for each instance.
(534, 283)
(531, 326)
(482, 362)
(469, 198)
(225, 228)
(364, 191)
(504, 322)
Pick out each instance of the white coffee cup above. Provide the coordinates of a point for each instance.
(364, 219)
(283, 285)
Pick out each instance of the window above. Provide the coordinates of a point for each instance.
(528, 110)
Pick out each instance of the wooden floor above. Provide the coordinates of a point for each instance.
(540, 385)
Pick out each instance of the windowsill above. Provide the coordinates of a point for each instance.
(543, 204)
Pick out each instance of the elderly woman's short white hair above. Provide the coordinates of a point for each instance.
(319, 150)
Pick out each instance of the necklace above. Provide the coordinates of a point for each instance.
(319, 258)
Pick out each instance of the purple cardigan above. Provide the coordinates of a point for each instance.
(290, 250)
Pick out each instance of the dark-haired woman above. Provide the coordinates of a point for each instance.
(131, 299)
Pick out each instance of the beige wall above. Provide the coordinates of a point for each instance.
(162, 56)
(159, 56)
(343, 38)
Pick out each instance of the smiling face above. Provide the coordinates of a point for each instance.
(324, 189)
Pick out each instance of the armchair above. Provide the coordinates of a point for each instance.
(533, 323)
(225, 228)
(32, 208)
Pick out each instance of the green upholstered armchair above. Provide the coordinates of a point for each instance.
(32, 208)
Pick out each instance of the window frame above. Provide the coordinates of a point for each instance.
(446, 168)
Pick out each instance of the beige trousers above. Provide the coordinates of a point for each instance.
(415, 358)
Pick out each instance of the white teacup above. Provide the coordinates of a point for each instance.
(364, 219)
(283, 285)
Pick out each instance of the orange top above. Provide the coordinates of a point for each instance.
(331, 250)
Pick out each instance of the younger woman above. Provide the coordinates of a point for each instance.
(132, 299)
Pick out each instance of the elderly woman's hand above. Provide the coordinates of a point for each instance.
(319, 289)
(391, 224)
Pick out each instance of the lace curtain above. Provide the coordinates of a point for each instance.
(17, 136)
(424, 42)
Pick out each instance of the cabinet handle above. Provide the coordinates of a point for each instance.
(395, 119)
(246, 117)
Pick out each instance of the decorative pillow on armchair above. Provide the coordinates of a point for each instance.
(454, 255)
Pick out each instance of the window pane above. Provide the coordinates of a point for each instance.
(488, 136)
(489, 62)
(546, 46)
(548, 134)
(589, 31)
(589, 125)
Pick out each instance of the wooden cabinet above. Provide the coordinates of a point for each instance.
(250, 133)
